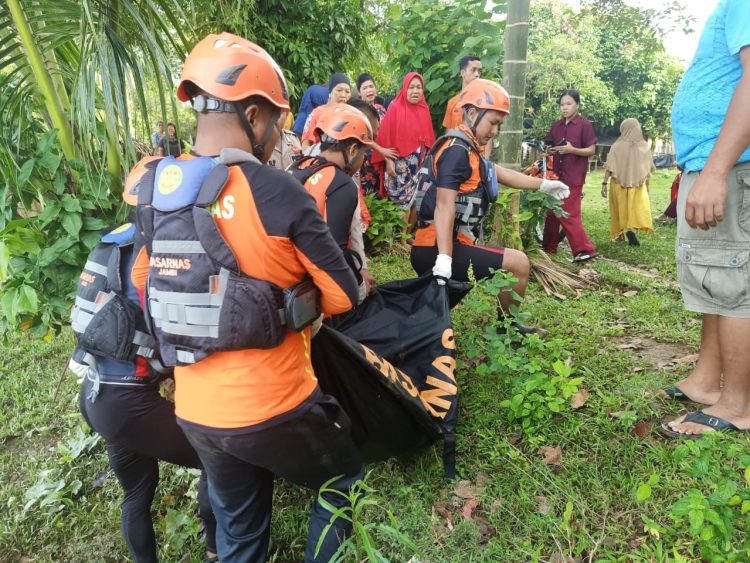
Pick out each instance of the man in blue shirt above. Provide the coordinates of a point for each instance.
(157, 136)
(711, 125)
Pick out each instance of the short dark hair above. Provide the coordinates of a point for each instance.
(365, 108)
(464, 61)
(334, 145)
(573, 93)
(362, 78)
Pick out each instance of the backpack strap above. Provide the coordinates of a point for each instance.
(208, 231)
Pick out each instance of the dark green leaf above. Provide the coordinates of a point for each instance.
(72, 223)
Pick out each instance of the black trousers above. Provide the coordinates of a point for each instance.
(312, 449)
(139, 428)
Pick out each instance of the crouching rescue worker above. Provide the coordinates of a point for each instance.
(455, 190)
(241, 263)
(117, 359)
(345, 135)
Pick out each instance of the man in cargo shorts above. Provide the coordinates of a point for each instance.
(711, 124)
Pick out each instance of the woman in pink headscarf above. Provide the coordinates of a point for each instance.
(407, 127)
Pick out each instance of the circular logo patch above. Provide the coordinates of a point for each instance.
(169, 179)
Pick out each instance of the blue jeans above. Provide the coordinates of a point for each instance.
(307, 450)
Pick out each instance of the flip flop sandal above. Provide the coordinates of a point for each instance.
(674, 393)
(699, 417)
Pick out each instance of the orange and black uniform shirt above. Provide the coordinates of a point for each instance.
(335, 193)
(453, 115)
(274, 228)
(456, 168)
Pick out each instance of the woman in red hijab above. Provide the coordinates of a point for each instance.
(407, 127)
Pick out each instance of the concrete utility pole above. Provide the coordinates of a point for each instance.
(514, 80)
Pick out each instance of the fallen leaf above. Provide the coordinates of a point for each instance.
(642, 429)
(637, 370)
(482, 479)
(514, 439)
(631, 293)
(654, 271)
(464, 489)
(485, 529)
(579, 398)
(551, 455)
(689, 359)
(442, 509)
(469, 507)
(543, 506)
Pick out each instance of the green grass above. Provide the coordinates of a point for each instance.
(526, 510)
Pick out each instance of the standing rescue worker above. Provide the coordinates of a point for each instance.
(345, 136)
(226, 235)
(120, 398)
(456, 187)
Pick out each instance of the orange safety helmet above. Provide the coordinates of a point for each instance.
(342, 121)
(485, 95)
(231, 69)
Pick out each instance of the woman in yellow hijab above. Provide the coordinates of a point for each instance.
(628, 173)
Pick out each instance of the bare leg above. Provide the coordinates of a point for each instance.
(734, 402)
(703, 384)
(517, 263)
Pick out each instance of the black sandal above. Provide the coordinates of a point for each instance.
(699, 417)
(674, 393)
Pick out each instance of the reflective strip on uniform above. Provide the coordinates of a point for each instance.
(95, 267)
(82, 313)
(185, 357)
(177, 247)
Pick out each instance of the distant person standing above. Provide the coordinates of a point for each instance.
(157, 136)
(573, 141)
(407, 127)
(628, 173)
(171, 145)
(339, 92)
(470, 68)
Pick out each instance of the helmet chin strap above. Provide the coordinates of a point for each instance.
(259, 148)
(480, 115)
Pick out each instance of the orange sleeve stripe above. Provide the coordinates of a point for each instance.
(334, 299)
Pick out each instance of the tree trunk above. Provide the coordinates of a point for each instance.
(511, 133)
(45, 83)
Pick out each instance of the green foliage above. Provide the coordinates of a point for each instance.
(612, 53)
(387, 226)
(310, 39)
(47, 229)
(540, 371)
(431, 36)
(369, 536)
(714, 517)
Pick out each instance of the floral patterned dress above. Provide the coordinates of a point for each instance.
(401, 188)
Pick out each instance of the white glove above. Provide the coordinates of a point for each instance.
(78, 369)
(555, 188)
(442, 268)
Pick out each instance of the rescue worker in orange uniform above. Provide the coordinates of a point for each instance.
(223, 234)
(345, 136)
(456, 188)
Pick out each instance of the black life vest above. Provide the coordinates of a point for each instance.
(318, 188)
(198, 300)
(108, 322)
(471, 207)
